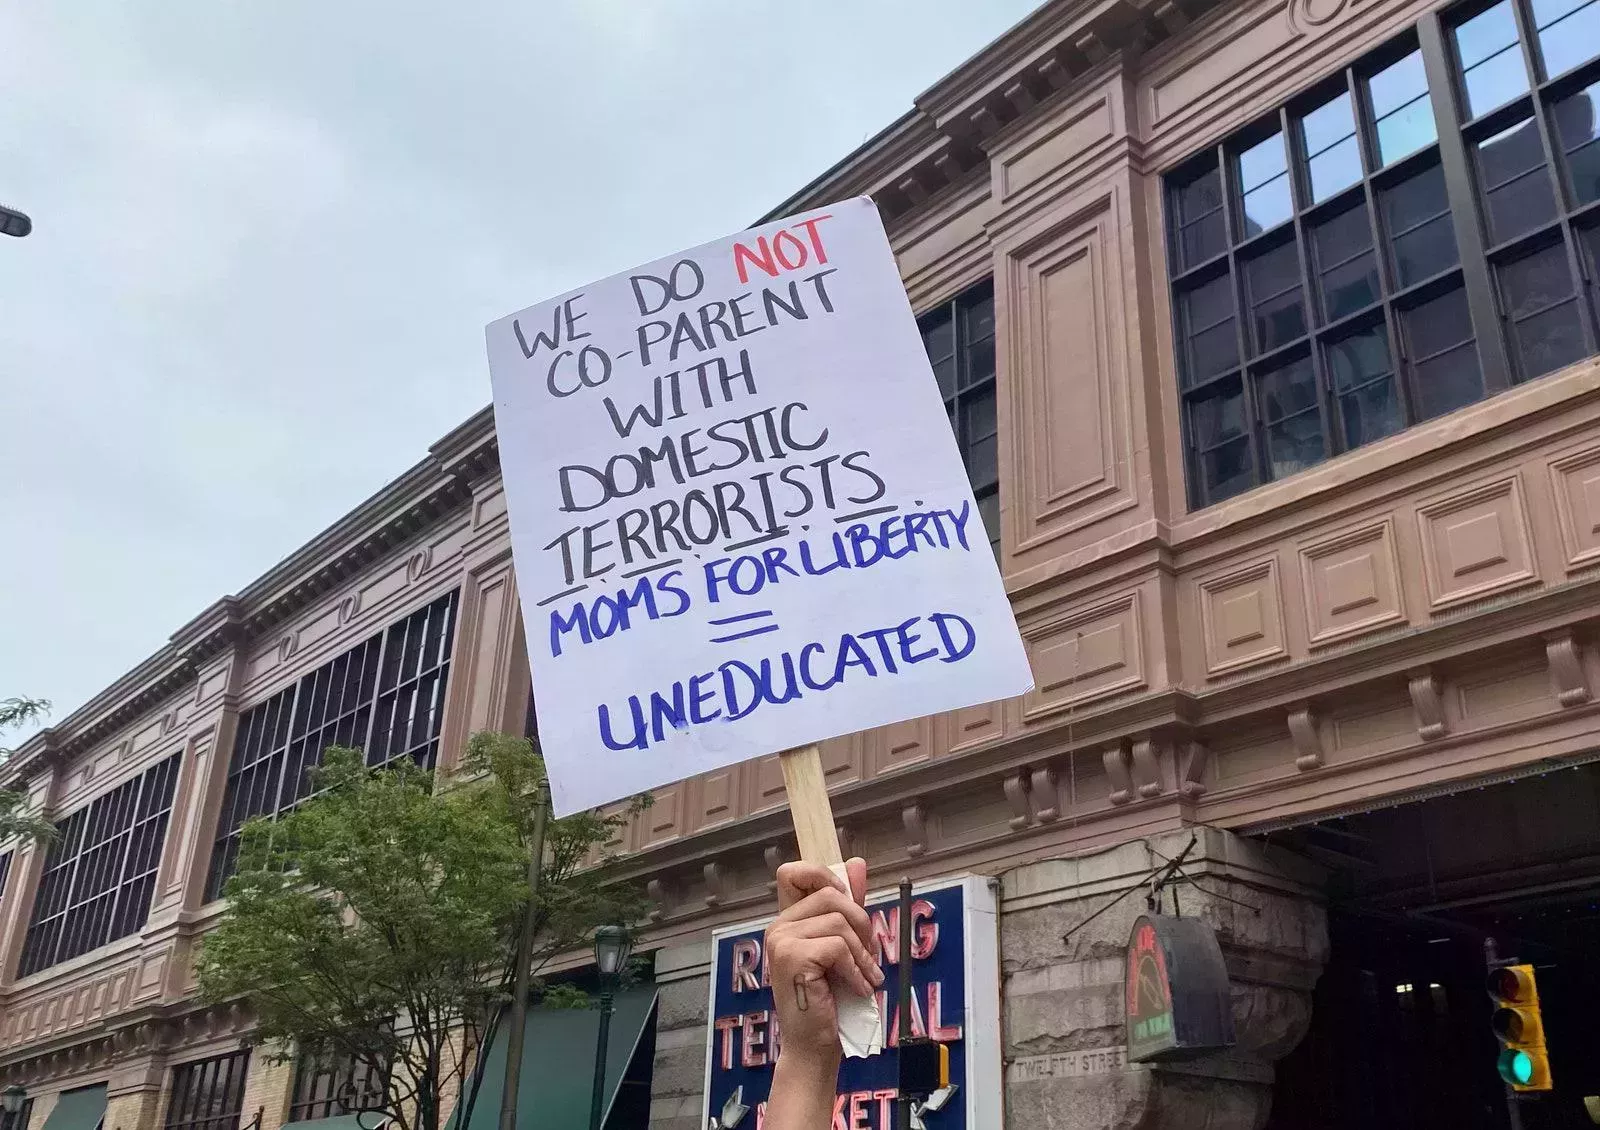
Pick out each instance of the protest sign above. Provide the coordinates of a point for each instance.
(739, 517)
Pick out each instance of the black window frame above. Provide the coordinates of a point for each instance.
(355, 699)
(1479, 257)
(208, 1094)
(100, 870)
(967, 390)
(326, 1085)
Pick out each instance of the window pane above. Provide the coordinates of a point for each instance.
(1425, 252)
(1358, 358)
(1295, 444)
(945, 373)
(989, 512)
(1217, 417)
(980, 362)
(1569, 33)
(1347, 269)
(1416, 216)
(1287, 390)
(1335, 169)
(978, 318)
(1267, 207)
(1538, 296)
(1333, 159)
(1262, 162)
(1516, 188)
(1199, 215)
(1401, 109)
(1225, 470)
(1533, 283)
(1577, 122)
(1589, 246)
(1205, 316)
(1277, 309)
(1444, 361)
(1490, 59)
(938, 334)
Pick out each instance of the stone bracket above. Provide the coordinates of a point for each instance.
(1307, 740)
(1120, 774)
(1567, 676)
(1428, 704)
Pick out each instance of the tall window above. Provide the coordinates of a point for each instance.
(208, 1093)
(326, 1085)
(1418, 231)
(100, 871)
(959, 337)
(385, 695)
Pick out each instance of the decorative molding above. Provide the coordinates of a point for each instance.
(1015, 787)
(1241, 617)
(1191, 778)
(1046, 794)
(349, 607)
(1476, 543)
(1350, 583)
(1146, 759)
(1428, 702)
(915, 822)
(716, 884)
(661, 897)
(288, 644)
(1307, 739)
(1567, 676)
(419, 563)
(1120, 773)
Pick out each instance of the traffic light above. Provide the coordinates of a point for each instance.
(1523, 1061)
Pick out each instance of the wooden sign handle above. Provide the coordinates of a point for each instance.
(809, 807)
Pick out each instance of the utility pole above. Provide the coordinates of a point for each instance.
(530, 921)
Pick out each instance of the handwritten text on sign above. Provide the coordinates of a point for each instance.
(739, 516)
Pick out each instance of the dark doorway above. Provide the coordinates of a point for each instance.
(1399, 1036)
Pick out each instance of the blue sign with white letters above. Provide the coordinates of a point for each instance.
(951, 924)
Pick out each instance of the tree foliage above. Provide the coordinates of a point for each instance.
(377, 923)
(14, 821)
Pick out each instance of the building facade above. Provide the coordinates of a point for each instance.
(1269, 331)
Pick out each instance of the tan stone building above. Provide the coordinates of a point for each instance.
(1269, 332)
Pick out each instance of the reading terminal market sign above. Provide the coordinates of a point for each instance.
(955, 998)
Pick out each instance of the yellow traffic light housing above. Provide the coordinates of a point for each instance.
(1517, 1024)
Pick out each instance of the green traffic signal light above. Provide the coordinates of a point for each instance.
(1516, 1067)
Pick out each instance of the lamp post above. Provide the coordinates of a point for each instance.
(11, 1100)
(13, 222)
(612, 945)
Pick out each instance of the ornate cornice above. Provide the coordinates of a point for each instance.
(940, 142)
(433, 487)
(133, 1035)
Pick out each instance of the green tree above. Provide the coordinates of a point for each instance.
(377, 923)
(14, 821)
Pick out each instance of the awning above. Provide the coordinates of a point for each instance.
(558, 1064)
(83, 1109)
(333, 1122)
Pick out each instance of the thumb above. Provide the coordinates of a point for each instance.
(856, 870)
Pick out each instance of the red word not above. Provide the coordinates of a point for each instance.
(783, 252)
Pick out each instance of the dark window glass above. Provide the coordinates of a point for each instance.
(1329, 147)
(1444, 358)
(1491, 59)
(1265, 198)
(1416, 219)
(1347, 270)
(1292, 415)
(384, 696)
(1569, 32)
(327, 1085)
(1515, 185)
(1363, 381)
(1277, 307)
(99, 872)
(1205, 314)
(1202, 232)
(1577, 129)
(1589, 247)
(208, 1093)
(961, 345)
(1222, 445)
(1541, 304)
(1401, 111)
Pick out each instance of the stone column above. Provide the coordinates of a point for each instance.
(683, 986)
(1065, 1038)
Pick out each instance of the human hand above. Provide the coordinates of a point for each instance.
(820, 945)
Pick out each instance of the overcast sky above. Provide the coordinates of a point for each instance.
(267, 237)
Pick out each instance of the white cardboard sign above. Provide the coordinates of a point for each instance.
(738, 513)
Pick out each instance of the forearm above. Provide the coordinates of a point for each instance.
(802, 1092)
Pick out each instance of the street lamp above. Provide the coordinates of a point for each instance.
(14, 223)
(612, 945)
(11, 1100)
